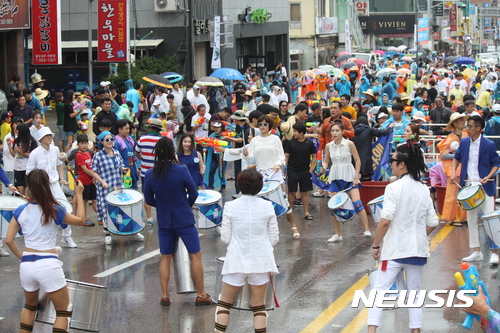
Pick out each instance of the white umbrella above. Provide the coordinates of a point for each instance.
(402, 47)
(386, 71)
(392, 48)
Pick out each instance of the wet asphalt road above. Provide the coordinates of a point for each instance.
(313, 275)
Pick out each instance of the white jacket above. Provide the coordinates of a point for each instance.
(250, 228)
(408, 205)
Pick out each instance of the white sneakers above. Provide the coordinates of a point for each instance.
(4, 253)
(494, 259)
(334, 239)
(150, 221)
(367, 234)
(108, 240)
(475, 256)
(68, 241)
(138, 237)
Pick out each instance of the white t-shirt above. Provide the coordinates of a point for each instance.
(198, 100)
(160, 104)
(203, 130)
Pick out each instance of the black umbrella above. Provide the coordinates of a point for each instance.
(347, 65)
(342, 58)
(450, 59)
(158, 80)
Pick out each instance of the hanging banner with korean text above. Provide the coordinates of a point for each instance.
(216, 62)
(347, 37)
(113, 37)
(453, 17)
(14, 15)
(46, 18)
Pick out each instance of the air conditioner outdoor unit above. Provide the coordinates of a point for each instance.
(166, 6)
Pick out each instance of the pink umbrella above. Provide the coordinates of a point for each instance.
(342, 53)
(359, 62)
(379, 52)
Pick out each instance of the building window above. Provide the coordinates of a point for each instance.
(321, 8)
(295, 16)
(378, 6)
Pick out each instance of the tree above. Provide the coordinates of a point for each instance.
(143, 67)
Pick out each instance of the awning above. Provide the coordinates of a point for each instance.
(83, 44)
(452, 41)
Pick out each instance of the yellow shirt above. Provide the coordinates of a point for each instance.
(351, 110)
(4, 130)
(484, 99)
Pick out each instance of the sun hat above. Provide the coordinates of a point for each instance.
(41, 94)
(44, 131)
(247, 93)
(239, 115)
(155, 122)
(454, 117)
(419, 115)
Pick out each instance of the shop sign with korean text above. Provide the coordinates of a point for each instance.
(46, 18)
(113, 38)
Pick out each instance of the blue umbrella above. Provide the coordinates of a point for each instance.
(465, 61)
(228, 74)
(172, 76)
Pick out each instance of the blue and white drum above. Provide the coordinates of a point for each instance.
(376, 206)
(341, 207)
(491, 223)
(8, 204)
(273, 192)
(124, 210)
(208, 209)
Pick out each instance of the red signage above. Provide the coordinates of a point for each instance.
(46, 18)
(453, 17)
(14, 15)
(113, 41)
(436, 35)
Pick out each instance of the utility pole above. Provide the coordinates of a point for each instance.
(91, 74)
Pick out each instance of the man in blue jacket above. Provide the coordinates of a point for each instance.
(479, 161)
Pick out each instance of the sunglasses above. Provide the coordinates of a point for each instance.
(108, 139)
(263, 124)
(394, 160)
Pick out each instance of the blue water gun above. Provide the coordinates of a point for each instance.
(470, 281)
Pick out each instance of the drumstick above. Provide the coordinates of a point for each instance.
(477, 180)
(21, 195)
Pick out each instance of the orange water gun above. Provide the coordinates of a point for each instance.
(408, 108)
(228, 126)
(200, 121)
(230, 134)
(211, 142)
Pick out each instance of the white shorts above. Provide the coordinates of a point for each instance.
(45, 273)
(239, 279)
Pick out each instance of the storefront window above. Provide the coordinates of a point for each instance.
(384, 43)
(377, 6)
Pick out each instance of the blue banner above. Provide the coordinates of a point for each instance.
(381, 150)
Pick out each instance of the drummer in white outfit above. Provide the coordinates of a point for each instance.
(46, 157)
(267, 151)
(40, 266)
(479, 163)
(250, 228)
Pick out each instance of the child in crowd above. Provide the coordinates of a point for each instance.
(86, 175)
(83, 124)
(5, 128)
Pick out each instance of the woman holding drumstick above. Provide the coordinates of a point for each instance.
(344, 176)
(40, 266)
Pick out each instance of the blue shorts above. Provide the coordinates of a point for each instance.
(69, 133)
(168, 239)
(343, 185)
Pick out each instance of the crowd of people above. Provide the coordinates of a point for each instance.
(298, 132)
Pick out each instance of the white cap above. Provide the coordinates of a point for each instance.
(419, 115)
(496, 108)
(44, 131)
(103, 84)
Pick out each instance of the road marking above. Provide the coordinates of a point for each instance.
(128, 264)
(346, 298)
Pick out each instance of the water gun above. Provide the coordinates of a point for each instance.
(230, 134)
(211, 142)
(200, 121)
(82, 125)
(408, 108)
(228, 126)
(426, 107)
(319, 165)
(275, 132)
(127, 179)
(470, 281)
(82, 103)
(311, 124)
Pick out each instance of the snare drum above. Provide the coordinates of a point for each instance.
(341, 207)
(124, 210)
(8, 204)
(208, 207)
(376, 206)
(66, 205)
(242, 297)
(86, 299)
(273, 192)
(491, 223)
(471, 197)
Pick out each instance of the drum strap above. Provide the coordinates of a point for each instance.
(274, 292)
(338, 185)
(25, 327)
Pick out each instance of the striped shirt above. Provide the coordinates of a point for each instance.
(145, 147)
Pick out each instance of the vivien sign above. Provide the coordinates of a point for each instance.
(387, 24)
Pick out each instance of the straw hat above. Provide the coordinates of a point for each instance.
(37, 79)
(41, 94)
(155, 123)
(254, 89)
(239, 115)
(454, 117)
(247, 93)
(369, 92)
(404, 96)
(286, 129)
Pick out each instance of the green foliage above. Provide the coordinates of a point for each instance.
(259, 15)
(143, 67)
